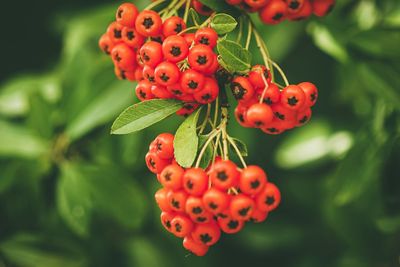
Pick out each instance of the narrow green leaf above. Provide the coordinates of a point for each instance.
(241, 147)
(223, 23)
(16, 141)
(144, 114)
(234, 55)
(207, 156)
(186, 141)
(195, 16)
(100, 111)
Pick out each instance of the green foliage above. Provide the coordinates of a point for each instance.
(73, 195)
(223, 23)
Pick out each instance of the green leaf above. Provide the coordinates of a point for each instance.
(16, 141)
(34, 251)
(234, 55)
(144, 114)
(387, 47)
(100, 111)
(241, 147)
(195, 16)
(74, 202)
(223, 23)
(328, 42)
(186, 141)
(207, 156)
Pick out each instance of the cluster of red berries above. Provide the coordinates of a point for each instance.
(197, 204)
(263, 105)
(275, 11)
(166, 63)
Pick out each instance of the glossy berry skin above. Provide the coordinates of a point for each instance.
(311, 93)
(208, 93)
(252, 180)
(242, 89)
(124, 75)
(126, 14)
(206, 234)
(177, 200)
(201, 58)
(195, 181)
(114, 31)
(166, 220)
(148, 23)
(303, 13)
(189, 38)
(106, 44)
(175, 48)
(194, 247)
(161, 92)
(303, 116)
(173, 25)
(215, 201)
(283, 114)
(259, 115)
(171, 176)
(258, 216)
(166, 73)
(181, 226)
(272, 95)
(269, 198)
(195, 207)
(229, 225)
(151, 53)
(224, 174)
(164, 145)
(213, 68)
(187, 109)
(201, 9)
(192, 81)
(241, 207)
(256, 3)
(132, 38)
(241, 116)
(175, 90)
(294, 6)
(148, 74)
(256, 77)
(161, 199)
(293, 97)
(155, 163)
(274, 128)
(206, 36)
(123, 57)
(143, 90)
(274, 12)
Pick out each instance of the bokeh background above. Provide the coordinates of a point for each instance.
(73, 195)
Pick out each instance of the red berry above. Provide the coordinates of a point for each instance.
(229, 225)
(195, 181)
(194, 247)
(208, 93)
(258, 216)
(171, 177)
(224, 174)
(269, 198)
(164, 144)
(148, 23)
(173, 25)
(132, 38)
(252, 180)
(206, 36)
(274, 12)
(241, 207)
(206, 234)
(166, 219)
(256, 3)
(201, 9)
(148, 74)
(114, 31)
(177, 200)
(192, 81)
(259, 115)
(215, 200)
(155, 163)
(272, 95)
(322, 7)
(166, 73)
(161, 92)
(201, 57)
(151, 53)
(303, 116)
(123, 57)
(143, 90)
(181, 226)
(311, 93)
(106, 44)
(242, 89)
(161, 199)
(126, 14)
(256, 77)
(293, 97)
(175, 48)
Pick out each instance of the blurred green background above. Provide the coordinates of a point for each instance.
(73, 195)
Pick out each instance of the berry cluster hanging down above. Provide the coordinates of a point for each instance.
(198, 204)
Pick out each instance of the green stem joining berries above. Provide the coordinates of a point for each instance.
(265, 89)
(196, 27)
(280, 72)
(173, 7)
(224, 118)
(187, 7)
(249, 33)
(233, 144)
(213, 134)
(154, 4)
(206, 118)
(240, 34)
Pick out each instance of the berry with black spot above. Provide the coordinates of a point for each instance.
(164, 145)
(224, 174)
(322, 7)
(161, 92)
(229, 225)
(192, 81)
(215, 201)
(206, 36)
(123, 57)
(256, 3)
(195, 207)
(311, 93)
(166, 73)
(181, 226)
(259, 115)
(106, 44)
(187, 109)
(274, 12)
(241, 207)
(252, 180)
(304, 12)
(173, 25)
(148, 74)
(175, 48)
(126, 14)
(241, 115)
(143, 90)
(294, 6)
(166, 220)
(161, 199)
(171, 176)
(256, 77)
(303, 116)
(258, 216)
(201, 58)
(132, 38)
(195, 181)
(177, 200)
(269, 198)
(148, 23)
(208, 93)
(114, 31)
(272, 94)
(293, 97)
(201, 8)
(151, 54)
(154, 163)
(206, 234)
(242, 89)
(125, 75)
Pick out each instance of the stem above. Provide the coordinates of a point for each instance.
(265, 89)
(175, 5)
(239, 37)
(187, 7)
(213, 134)
(232, 142)
(154, 4)
(204, 124)
(216, 111)
(280, 71)
(224, 118)
(249, 33)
